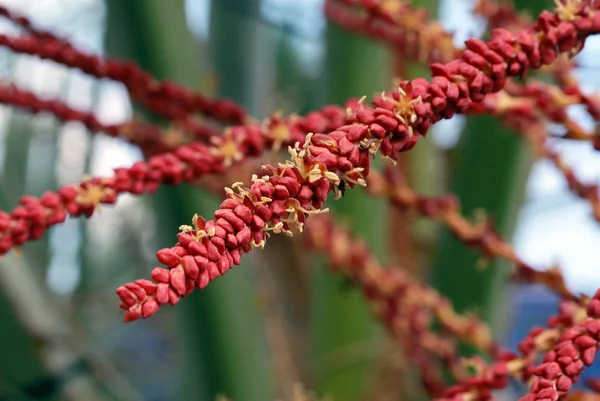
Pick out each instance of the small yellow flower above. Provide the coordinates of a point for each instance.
(228, 147)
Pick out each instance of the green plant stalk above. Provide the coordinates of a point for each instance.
(283, 274)
(86, 264)
(491, 172)
(40, 174)
(242, 51)
(490, 175)
(343, 330)
(134, 33)
(409, 236)
(421, 167)
(20, 362)
(216, 358)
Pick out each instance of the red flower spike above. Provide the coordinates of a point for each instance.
(147, 136)
(446, 209)
(523, 60)
(321, 167)
(177, 102)
(389, 292)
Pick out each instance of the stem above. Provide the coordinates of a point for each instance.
(341, 320)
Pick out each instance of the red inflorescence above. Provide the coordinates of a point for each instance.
(165, 98)
(146, 136)
(521, 366)
(482, 235)
(408, 30)
(331, 151)
(188, 163)
(278, 131)
(562, 366)
(341, 159)
(410, 34)
(392, 295)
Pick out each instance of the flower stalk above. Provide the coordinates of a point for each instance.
(165, 98)
(394, 296)
(481, 235)
(152, 139)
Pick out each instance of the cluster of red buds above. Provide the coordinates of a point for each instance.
(574, 349)
(550, 100)
(147, 136)
(407, 308)
(331, 151)
(188, 163)
(406, 29)
(481, 235)
(410, 309)
(517, 112)
(524, 107)
(501, 14)
(175, 102)
(522, 366)
(275, 131)
(283, 199)
(536, 101)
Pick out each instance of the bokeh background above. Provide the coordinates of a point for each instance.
(280, 318)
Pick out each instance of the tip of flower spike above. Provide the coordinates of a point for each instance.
(132, 314)
(149, 308)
